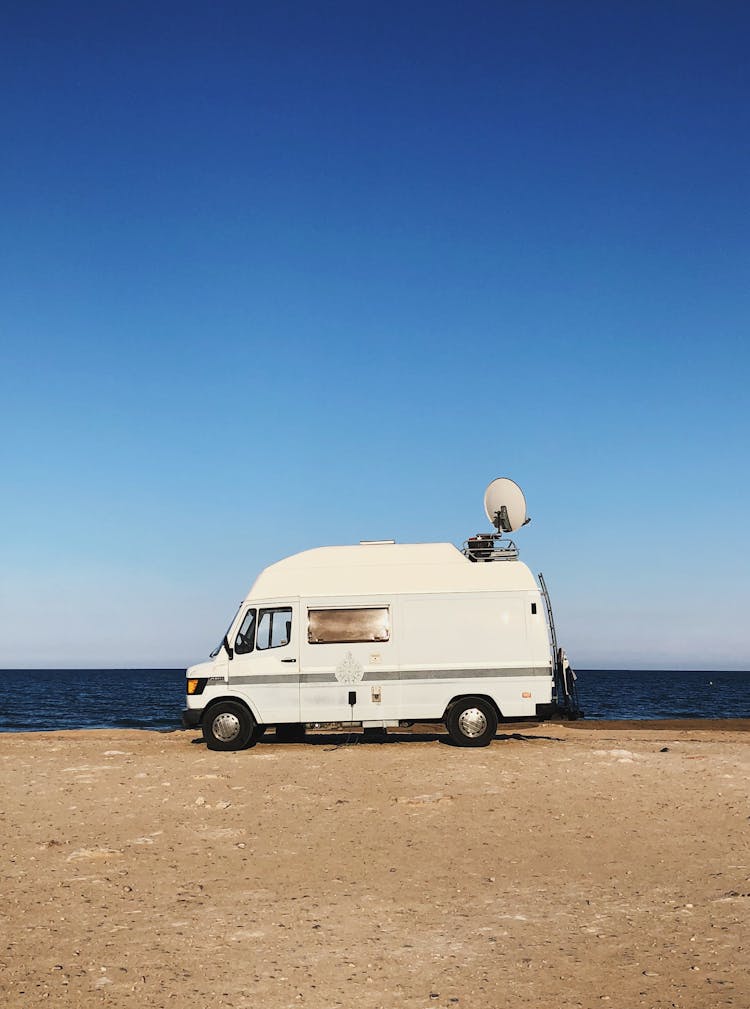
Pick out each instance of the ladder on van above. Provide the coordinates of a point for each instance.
(564, 679)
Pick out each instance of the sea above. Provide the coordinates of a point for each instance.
(48, 699)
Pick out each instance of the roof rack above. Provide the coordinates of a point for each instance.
(486, 547)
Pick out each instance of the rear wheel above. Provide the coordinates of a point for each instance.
(228, 725)
(471, 721)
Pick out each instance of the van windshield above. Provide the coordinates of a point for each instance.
(215, 652)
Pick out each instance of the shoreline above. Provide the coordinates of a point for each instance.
(691, 724)
(420, 728)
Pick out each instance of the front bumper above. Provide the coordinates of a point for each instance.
(191, 717)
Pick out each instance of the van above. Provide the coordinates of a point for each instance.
(380, 635)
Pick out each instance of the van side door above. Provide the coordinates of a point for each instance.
(349, 663)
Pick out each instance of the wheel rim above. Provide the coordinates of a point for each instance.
(226, 727)
(472, 723)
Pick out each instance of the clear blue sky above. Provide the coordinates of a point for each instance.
(276, 276)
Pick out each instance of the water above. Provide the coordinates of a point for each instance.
(153, 698)
(91, 699)
(622, 693)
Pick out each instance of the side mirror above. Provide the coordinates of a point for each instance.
(230, 651)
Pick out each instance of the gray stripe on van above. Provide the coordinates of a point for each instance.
(378, 676)
(290, 678)
(464, 674)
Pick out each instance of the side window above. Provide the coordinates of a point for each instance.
(363, 624)
(274, 628)
(243, 643)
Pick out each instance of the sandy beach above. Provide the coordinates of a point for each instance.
(590, 864)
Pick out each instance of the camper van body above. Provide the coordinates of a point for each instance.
(377, 635)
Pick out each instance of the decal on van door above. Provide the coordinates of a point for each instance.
(349, 670)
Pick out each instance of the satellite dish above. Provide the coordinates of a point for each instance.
(505, 505)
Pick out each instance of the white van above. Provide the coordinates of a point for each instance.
(384, 634)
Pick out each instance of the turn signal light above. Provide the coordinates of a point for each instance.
(192, 686)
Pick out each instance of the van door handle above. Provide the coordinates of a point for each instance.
(288, 660)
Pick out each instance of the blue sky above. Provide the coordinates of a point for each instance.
(289, 275)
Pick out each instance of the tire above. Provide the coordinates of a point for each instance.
(228, 725)
(471, 721)
(292, 732)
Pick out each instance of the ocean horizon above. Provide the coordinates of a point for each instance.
(152, 698)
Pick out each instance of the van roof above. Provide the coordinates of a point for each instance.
(371, 569)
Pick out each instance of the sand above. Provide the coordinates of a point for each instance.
(565, 865)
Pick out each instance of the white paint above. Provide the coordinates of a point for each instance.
(456, 628)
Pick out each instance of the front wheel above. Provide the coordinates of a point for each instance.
(472, 721)
(228, 726)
